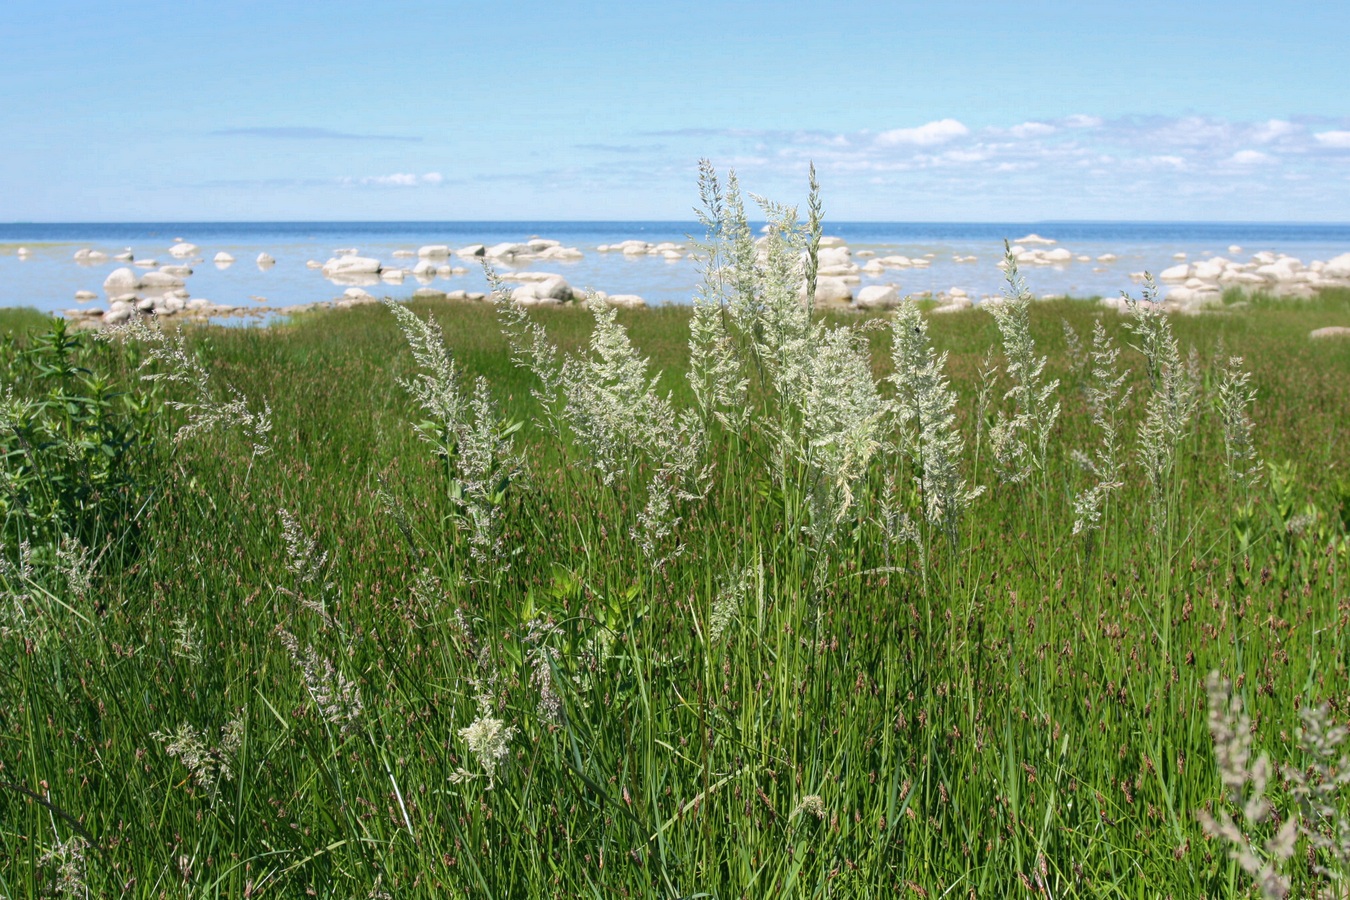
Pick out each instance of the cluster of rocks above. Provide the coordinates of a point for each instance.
(1200, 284)
(837, 275)
(665, 249)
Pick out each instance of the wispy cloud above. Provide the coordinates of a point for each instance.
(1336, 140)
(305, 133)
(1083, 162)
(926, 135)
(397, 179)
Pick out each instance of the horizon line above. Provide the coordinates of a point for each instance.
(827, 224)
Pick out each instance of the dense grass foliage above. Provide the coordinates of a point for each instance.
(427, 647)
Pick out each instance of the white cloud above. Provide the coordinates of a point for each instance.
(1250, 158)
(1337, 140)
(1273, 130)
(398, 179)
(1081, 121)
(939, 132)
(1032, 130)
(1194, 131)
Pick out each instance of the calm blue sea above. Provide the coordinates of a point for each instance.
(48, 277)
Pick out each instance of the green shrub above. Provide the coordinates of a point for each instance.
(75, 444)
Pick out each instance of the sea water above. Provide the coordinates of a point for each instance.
(48, 276)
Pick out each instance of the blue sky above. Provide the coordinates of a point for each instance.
(952, 111)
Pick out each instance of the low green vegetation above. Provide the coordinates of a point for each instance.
(724, 601)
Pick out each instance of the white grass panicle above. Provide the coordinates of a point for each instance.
(843, 418)
(205, 410)
(727, 260)
(631, 434)
(1172, 399)
(1034, 407)
(187, 641)
(1107, 396)
(759, 286)
(542, 654)
(489, 741)
(1234, 399)
(40, 591)
(465, 430)
(1245, 781)
(726, 607)
(208, 765)
(925, 422)
(69, 867)
(337, 698)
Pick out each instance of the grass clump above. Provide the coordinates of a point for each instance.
(736, 600)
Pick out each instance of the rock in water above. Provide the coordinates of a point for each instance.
(877, 296)
(121, 280)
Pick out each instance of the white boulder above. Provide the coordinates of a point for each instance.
(351, 265)
(877, 296)
(182, 249)
(1337, 267)
(831, 290)
(120, 280)
(433, 251)
(266, 261)
(161, 279)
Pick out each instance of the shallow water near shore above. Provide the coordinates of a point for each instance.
(47, 277)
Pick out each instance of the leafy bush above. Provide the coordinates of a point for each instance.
(75, 445)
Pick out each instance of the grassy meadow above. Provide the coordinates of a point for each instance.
(799, 612)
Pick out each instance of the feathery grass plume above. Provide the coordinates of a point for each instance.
(1172, 399)
(925, 422)
(531, 349)
(308, 565)
(22, 610)
(1245, 782)
(614, 410)
(1317, 787)
(187, 642)
(716, 374)
(1105, 400)
(489, 741)
(40, 587)
(541, 655)
(69, 867)
(337, 698)
(1033, 412)
(760, 284)
(843, 416)
(732, 258)
(1235, 397)
(180, 367)
(465, 431)
(719, 383)
(1073, 344)
(727, 606)
(813, 804)
(207, 765)
(75, 567)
